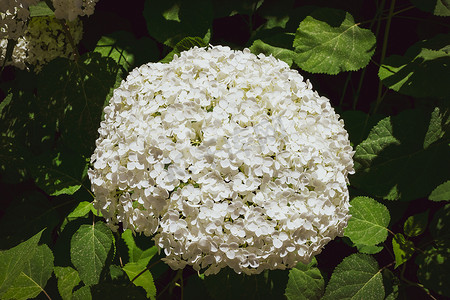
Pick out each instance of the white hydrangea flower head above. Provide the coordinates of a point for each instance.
(43, 41)
(229, 158)
(13, 17)
(71, 9)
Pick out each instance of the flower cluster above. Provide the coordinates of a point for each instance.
(230, 159)
(71, 9)
(13, 17)
(43, 41)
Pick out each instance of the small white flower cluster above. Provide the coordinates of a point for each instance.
(230, 159)
(71, 9)
(13, 17)
(43, 41)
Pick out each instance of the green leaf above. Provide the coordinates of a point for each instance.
(422, 71)
(14, 261)
(358, 124)
(415, 225)
(392, 162)
(305, 282)
(75, 93)
(434, 262)
(283, 54)
(436, 7)
(391, 285)
(40, 10)
(368, 224)
(89, 249)
(172, 20)
(403, 249)
(134, 252)
(356, 277)
(183, 45)
(68, 279)
(60, 172)
(83, 293)
(144, 280)
(328, 41)
(33, 278)
(107, 46)
(82, 209)
(441, 193)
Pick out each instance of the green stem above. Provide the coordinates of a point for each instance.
(345, 89)
(421, 286)
(383, 53)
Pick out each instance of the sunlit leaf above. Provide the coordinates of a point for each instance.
(107, 46)
(34, 276)
(423, 70)
(82, 209)
(14, 261)
(41, 9)
(68, 279)
(356, 277)
(392, 162)
(368, 224)
(144, 280)
(135, 253)
(415, 225)
(329, 41)
(441, 193)
(403, 249)
(305, 282)
(89, 249)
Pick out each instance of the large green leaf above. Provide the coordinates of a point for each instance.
(89, 249)
(356, 277)
(393, 162)
(436, 7)
(434, 262)
(67, 279)
(144, 280)
(403, 249)
(305, 282)
(40, 9)
(107, 46)
(34, 276)
(83, 293)
(329, 41)
(368, 225)
(441, 193)
(171, 21)
(423, 70)
(14, 261)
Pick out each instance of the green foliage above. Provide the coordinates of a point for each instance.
(403, 249)
(305, 282)
(415, 225)
(368, 225)
(434, 262)
(15, 261)
(171, 21)
(441, 193)
(401, 159)
(394, 104)
(89, 249)
(328, 41)
(68, 279)
(33, 277)
(356, 277)
(422, 71)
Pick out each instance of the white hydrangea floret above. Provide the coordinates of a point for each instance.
(71, 9)
(230, 159)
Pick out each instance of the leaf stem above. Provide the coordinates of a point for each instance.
(383, 53)
(402, 277)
